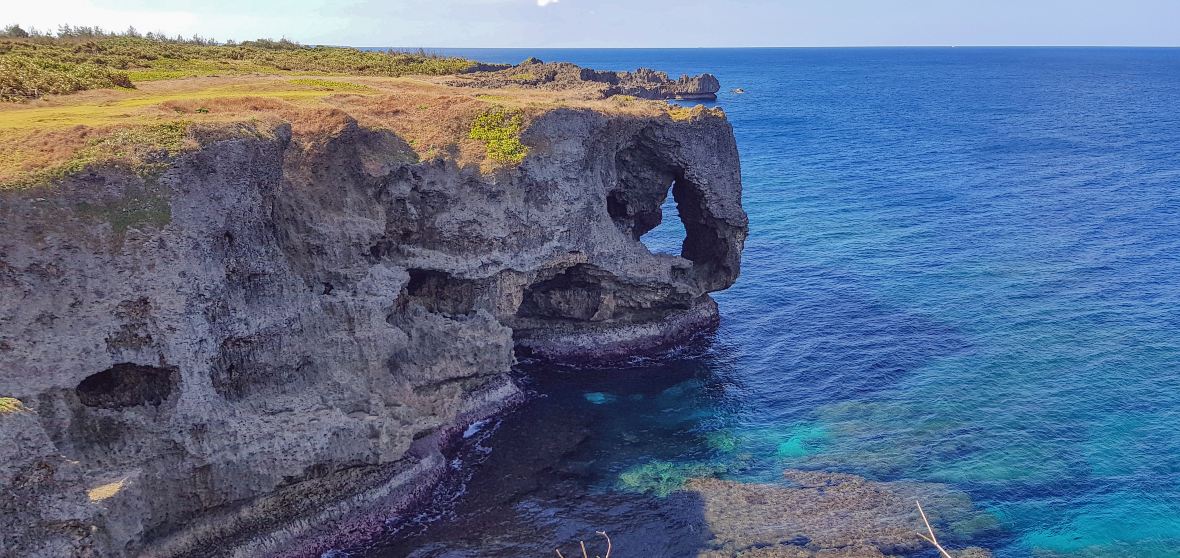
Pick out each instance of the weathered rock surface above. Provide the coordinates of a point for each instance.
(280, 331)
(830, 515)
(643, 83)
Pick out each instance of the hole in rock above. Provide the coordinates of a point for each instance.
(441, 292)
(126, 385)
(668, 235)
(639, 202)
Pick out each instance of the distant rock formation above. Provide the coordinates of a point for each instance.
(642, 83)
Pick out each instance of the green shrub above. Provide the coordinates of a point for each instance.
(14, 31)
(25, 78)
(499, 128)
(88, 58)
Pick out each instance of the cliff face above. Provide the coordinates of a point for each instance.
(275, 334)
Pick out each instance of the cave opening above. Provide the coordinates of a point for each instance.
(576, 293)
(441, 292)
(127, 385)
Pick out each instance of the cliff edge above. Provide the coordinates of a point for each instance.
(264, 336)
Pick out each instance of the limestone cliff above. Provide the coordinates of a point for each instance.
(277, 333)
(643, 83)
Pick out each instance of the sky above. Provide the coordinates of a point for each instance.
(630, 23)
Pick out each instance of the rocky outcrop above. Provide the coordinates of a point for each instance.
(643, 83)
(279, 333)
(831, 515)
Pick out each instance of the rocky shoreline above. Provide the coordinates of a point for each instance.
(643, 83)
(267, 345)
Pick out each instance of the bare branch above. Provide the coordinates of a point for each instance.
(608, 544)
(932, 539)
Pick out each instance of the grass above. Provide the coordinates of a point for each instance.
(9, 405)
(499, 129)
(329, 85)
(31, 67)
(128, 108)
(145, 150)
(685, 114)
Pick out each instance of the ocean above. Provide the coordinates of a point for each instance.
(963, 269)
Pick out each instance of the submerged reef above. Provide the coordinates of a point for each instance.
(829, 515)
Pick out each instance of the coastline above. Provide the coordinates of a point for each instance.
(267, 338)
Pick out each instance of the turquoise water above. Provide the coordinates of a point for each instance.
(963, 267)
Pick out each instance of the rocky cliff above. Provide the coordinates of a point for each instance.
(269, 341)
(643, 83)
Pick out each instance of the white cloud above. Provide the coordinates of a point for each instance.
(543, 3)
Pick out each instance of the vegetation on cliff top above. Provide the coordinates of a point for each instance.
(82, 58)
(144, 150)
(499, 129)
(125, 109)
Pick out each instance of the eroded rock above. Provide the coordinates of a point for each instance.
(312, 315)
(643, 83)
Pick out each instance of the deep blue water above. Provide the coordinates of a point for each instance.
(963, 268)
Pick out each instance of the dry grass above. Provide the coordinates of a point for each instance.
(9, 405)
(42, 137)
(687, 114)
(106, 491)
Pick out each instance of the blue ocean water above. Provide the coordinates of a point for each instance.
(963, 268)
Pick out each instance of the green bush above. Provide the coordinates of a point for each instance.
(499, 128)
(88, 58)
(26, 78)
(14, 31)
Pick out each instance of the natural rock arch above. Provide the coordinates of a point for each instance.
(643, 176)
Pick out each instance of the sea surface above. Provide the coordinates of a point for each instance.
(963, 268)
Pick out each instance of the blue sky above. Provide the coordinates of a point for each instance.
(632, 23)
